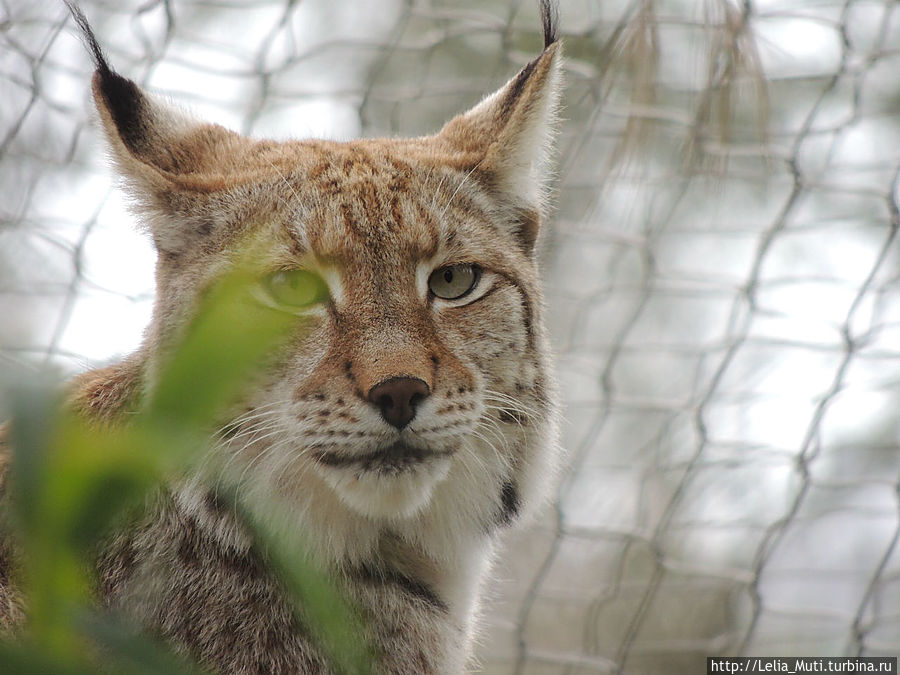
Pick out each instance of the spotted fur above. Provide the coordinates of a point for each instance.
(404, 518)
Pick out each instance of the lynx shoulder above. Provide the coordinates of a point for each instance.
(411, 420)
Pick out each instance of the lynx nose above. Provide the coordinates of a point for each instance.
(397, 398)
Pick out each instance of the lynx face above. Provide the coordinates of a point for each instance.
(417, 359)
(416, 389)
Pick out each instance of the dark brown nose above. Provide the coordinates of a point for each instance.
(397, 398)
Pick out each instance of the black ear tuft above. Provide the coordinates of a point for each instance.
(87, 34)
(550, 21)
(123, 98)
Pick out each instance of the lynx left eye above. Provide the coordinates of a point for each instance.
(295, 288)
(454, 281)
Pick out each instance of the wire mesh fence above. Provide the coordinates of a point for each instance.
(722, 270)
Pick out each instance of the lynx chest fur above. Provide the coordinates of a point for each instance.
(412, 416)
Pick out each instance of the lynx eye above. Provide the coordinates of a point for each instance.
(295, 288)
(454, 281)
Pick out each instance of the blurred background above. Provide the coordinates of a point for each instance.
(722, 273)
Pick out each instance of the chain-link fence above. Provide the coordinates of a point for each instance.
(722, 276)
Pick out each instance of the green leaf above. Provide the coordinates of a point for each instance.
(73, 480)
(232, 335)
(26, 660)
(128, 651)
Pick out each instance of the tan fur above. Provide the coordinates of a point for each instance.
(409, 541)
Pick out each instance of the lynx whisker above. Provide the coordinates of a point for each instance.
(284, 180)
(524, 409)
(254, 413)
(469, 452)
(267, 452)
(226, 445)
(437, 191)
(250, 434)
(489, 425)
(456, 191)
(257, 435)
(484, 439)
(247, 429)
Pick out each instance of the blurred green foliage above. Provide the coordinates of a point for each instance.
(72, 482)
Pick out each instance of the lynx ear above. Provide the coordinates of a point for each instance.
(505, 141)
(169, 159)
(157, 144)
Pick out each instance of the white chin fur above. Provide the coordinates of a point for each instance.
(387, 496)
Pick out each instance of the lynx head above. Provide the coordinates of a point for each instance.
(416, 385)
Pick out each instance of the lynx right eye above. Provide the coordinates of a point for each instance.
(454, 281)
(295, 289)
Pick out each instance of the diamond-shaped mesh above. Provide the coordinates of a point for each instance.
(721, 272)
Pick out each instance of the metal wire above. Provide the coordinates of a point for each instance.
(721, 271)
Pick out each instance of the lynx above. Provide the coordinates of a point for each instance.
(413, 419)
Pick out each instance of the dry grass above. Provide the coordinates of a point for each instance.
(730, 103)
